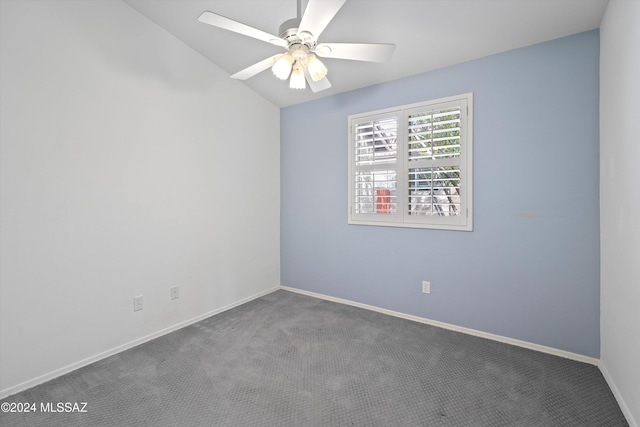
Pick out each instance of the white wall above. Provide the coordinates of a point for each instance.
(620, 202)
(129, 164)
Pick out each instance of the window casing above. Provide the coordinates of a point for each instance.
(411, 166)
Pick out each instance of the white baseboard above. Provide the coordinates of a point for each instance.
(614, 389)
(77, 365)
(500, 338)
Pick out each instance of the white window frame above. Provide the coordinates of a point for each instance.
(402, 218)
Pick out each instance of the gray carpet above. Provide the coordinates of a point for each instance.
(291, 360)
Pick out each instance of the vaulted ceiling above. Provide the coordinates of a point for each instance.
(429, 34)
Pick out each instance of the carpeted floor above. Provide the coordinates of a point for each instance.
(292, 360)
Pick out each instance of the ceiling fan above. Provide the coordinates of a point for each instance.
(299, 38)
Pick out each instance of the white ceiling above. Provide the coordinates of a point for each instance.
(429, 34)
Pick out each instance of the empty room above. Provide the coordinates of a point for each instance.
(319, 213)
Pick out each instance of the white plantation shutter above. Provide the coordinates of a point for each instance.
(376, 141)
(412, 166)
(434, 134)
(374, 186)
(434, 156)
(434, 191)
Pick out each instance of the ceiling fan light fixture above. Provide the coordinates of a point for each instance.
(297, 79)
(282, 67)
(316, 68)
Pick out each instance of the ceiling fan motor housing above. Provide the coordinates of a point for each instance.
(289, 32)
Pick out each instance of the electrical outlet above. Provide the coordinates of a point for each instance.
(175, 292)
(137, 303)
(426, 287)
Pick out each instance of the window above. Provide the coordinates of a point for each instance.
(411, 166)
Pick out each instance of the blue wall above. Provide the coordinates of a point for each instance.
(530, 268)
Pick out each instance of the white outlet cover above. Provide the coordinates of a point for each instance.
(426, 287)
(138, 303)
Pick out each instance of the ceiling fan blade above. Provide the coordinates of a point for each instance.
(317, 16)
(375, 52)
(240, 28)
(318, 86)
(256, 68)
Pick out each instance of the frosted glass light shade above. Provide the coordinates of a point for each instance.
(297, 79)
(316, 68)
(282, 67)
